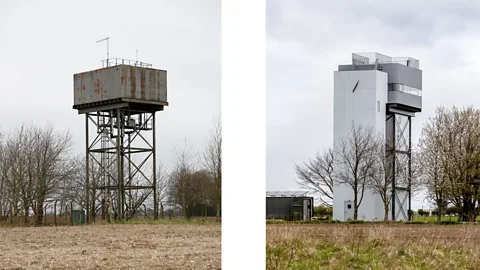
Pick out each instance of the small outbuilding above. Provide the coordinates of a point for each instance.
(289, 205)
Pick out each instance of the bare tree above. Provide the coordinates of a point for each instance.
(355, 158)
(181, 181)
(205, 186)
(434, 177)
(72, 188)
(162, 183)
(450, 147)
(317, 175)
(417, 171)
(33, 160)
(162, 187)
(383, 173)
(382, 176)
(52, 164)
(3, 175)
(27, 190)
(18, 171)
(212, 161)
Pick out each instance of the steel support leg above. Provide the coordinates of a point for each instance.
(155, 198)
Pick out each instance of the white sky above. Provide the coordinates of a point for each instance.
(43, 43)
(307, 40)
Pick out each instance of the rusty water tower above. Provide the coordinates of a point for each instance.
(119, 102)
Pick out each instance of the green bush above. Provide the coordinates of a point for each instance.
(423, 213)
(297, 216)
(453, 210)
(355, 221)
(323, 211)
(416, 222)
(448, 222)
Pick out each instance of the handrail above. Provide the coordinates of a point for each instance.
(120, 61)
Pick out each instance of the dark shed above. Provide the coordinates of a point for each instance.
(289, 205)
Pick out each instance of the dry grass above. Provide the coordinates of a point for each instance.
(50, 220)
(121, 246)
(372, 246)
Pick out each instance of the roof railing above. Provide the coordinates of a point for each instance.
(359, 60)
(286, 193)
(406, 61)
(120, 61)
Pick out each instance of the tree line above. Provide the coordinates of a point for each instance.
(38, 169)
(444, 165)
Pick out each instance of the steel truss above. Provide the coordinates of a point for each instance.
(399, 154)
(121, 152)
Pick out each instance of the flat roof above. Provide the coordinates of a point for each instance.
(369, 58)
(287, 193)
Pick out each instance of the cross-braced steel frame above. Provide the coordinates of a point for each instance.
(399, 154)
(121, 151)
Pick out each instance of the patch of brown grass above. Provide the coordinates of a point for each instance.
(152, 246)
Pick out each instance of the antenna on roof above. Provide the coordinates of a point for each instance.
(107, 39)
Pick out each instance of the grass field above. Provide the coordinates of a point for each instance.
(153, 245)
(372, 246)
(434, 218)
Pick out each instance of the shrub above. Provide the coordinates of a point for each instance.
(423, 213)
(323, 211)
(453, 210)
(355, 221)
(448, 222)
(416, 222)
(296, 216)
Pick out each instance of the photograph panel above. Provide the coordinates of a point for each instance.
(367, 131)
(110, 157)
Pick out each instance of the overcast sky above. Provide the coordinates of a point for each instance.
(307, 40)
(42, 44)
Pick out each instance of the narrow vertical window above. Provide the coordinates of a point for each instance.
(378, 106)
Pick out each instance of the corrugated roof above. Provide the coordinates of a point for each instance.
(286, 193)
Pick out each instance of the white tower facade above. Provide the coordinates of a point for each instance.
(382, 93)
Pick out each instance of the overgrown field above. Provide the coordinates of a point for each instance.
(117, 246)
(372, 246)
(434, 218)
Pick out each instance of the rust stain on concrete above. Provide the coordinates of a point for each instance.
(142, 84)
(133, 82)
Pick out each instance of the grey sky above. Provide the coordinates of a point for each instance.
(306, 40)
(42, 44)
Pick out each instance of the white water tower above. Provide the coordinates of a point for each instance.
(383, 93)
